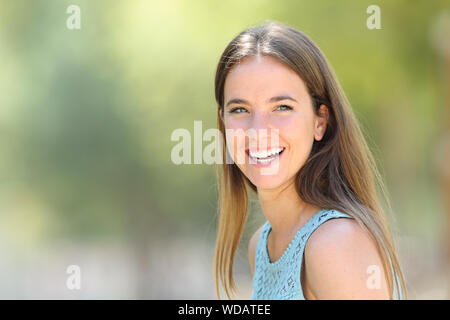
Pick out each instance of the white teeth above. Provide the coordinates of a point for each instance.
(265, 153)
(264, 160)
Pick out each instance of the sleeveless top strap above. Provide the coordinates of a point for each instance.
(281, 279)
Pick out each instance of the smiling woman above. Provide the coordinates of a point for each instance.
(273, 79)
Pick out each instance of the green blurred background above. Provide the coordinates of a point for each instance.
(86, 118)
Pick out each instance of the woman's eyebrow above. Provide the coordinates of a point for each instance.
(271, 100)
(237, 101)
(279, 98)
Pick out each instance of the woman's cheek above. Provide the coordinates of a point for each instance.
(235, 140)
(287, 121)
(298, 133)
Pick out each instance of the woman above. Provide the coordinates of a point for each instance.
(326, 235)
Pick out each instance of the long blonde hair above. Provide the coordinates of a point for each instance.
(340, 172)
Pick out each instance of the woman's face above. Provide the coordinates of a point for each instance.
(269, 120)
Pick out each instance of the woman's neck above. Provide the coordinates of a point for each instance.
(285, 211)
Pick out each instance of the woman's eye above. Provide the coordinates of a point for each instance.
(284, 107)
(238, 110)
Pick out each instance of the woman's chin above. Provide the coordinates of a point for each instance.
(266, 182)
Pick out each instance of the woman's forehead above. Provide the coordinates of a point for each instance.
(263, 77)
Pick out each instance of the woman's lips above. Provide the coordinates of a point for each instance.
(264, 162)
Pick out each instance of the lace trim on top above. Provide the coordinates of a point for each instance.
(281, 279)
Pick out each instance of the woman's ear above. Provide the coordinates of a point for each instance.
(320, 125)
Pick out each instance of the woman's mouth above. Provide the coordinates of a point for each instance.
(264, 158)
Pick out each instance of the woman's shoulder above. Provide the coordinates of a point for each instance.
(338, 256)
(338, 229)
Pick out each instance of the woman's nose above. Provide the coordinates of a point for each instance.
(260, 121)
(262, 134)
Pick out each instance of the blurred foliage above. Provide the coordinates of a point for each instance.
(86, 115)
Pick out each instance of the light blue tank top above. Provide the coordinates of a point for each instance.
(280, 280)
